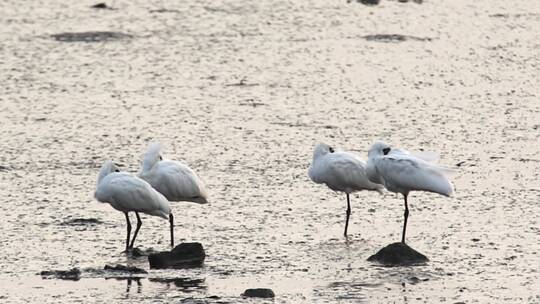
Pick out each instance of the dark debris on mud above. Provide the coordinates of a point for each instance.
(125, 269)
(90, 36)
(394, 38)
(398, 254)
(81, 222)
(376, 2)
(73, 274)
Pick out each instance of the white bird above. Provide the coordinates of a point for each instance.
(175, 180)
(402, 172)
(340, 171)
(126, 193)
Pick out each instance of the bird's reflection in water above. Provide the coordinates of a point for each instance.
(128, 286)
(185, 284)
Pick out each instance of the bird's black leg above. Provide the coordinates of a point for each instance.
(405, 215)
(348, 215)
(139, 224)
(171, 221)
(128, 231)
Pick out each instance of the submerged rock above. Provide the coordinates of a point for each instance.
(185, 255)
(73, 274)
(398, 254)
(259, 293)
(122, 268)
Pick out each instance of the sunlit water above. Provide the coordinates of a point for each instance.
(241, 91)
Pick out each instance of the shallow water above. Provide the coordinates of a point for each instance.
(242, 91)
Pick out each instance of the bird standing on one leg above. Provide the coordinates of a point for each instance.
(126, 193)
(175, 180)
(340, 171)
(403, 172)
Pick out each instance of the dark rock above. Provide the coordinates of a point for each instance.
(122, 268)
(369, 2)
(89, 36)
(185, 255)
(73, 274)
(259, 293)
(101, 5)
(398, 254)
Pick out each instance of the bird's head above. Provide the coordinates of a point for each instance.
(322, 149)
(151, 156)
(379, 148)
(107, 168)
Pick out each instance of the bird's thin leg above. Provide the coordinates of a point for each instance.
(128, 231)
(139, 224)
(405, 215)
(171, 221)
(348, 215)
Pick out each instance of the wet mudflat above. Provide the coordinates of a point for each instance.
(241, 91)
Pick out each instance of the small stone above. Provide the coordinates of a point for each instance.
(475, 240)
(259, 293)
(398, 254)
(185, 255)
(73, 274)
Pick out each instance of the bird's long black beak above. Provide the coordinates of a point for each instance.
(171, 221)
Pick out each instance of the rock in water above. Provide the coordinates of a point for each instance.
(185, 255)
(72, 274)
(259, 293)
(398, 254)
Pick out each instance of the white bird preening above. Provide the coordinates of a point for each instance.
(340, 171)
(402, 172)
(126, 193)
(175, 180)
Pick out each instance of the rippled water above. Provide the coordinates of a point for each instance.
(241, 91)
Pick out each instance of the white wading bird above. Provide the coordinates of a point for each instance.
(125, 192)
(340, 171)
(401, 172)
(175, 180)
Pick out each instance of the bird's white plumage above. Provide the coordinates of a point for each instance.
(125, 192)
(175, 180)
(402, 172)
(340, 170)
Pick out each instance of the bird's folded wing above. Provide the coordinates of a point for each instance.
(407, 172)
